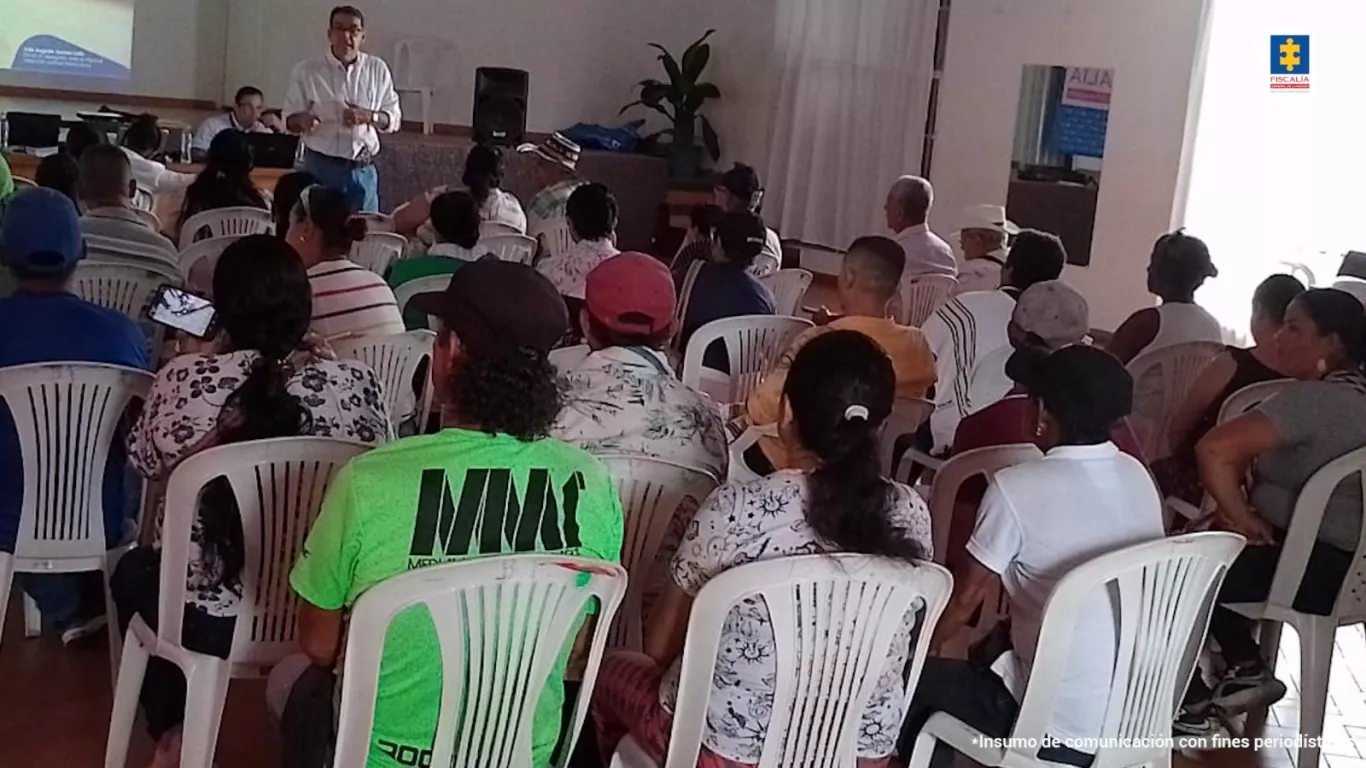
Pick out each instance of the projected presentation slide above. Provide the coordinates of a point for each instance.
(93, 38)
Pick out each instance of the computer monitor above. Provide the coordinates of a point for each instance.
(33, 130)
(273, 150)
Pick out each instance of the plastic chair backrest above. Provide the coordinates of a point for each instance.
(415, 62)
(737, 471)
(22, 183)
(144, 200)
(377, 222)
(1250, 397)
(492, 228)
(834, 617)
(279, 486)
(984, 462)
(406, 290)
(1310, 506)
(149, 218)
(788, 287)
(514, 247)
(238, 221)
(101, 248)
(66, 417)
(556, 237)
(395, 360)
(127, 288)
(1177, 366)
(908, 413)
(1162, 594)
(501, 622)
(753, 344)
(651, 492)
(210, 248)
(378, 251)
(566, 359)
(922, 296)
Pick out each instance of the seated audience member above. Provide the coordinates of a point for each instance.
(723, 287)
(60, 172)
(107, 188)
(80, 137)
(269, 390)
(972, 326)
(869, 281)
(348, 299)
(624, 398)
(1040, 520)
(1283, 442)
(499, 320)
(556, 179)
(592, 215)
(141, 142)
(1180, 264)
(483, 180)
(739, 190)
(286, 196)
(1229, 372)
(983, 239)
(43, 322)
(908, 212)
(247, 115)
(840, 391)
(225, 181)
(455, 217)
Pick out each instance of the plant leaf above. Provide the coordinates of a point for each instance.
(694, 61)
(700, 93)
(648, 83)
(635, 103)
(652, 95)
(710, 139)
(670, 65)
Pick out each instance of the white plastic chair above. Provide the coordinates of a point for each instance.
(149, 218)
(753, 344)
(279, 486)
(906, 417)
(377, 222)
(555, 236)
(22, 183)
(834, 618)
(566, 359)
(651, 492)
(788, 287)
(979, 462)
(144, 200)
(1316, 633)
(210, 248)
(514, 247)
(1176, 368)
(501, 622)
(736, 470)
(922, 296)
(66, 416)
(115, 249)
(395, 360)
(127, 288)
(405, 292)
(416, 60)
(378, 251)
(491, 228)
(1162, 593)
(227, 222)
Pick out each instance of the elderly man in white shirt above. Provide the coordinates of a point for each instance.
(983, 239)
(341, 102)
(247, 115)
(908, 210)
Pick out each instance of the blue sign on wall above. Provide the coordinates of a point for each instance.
(1080, 130)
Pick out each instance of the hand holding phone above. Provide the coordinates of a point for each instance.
(182, 311)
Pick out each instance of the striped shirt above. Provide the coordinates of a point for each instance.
(350, 300)
(968, 329)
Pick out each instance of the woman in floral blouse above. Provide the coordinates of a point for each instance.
(839, 391)
(250, 384)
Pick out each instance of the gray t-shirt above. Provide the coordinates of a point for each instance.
(1318, 421)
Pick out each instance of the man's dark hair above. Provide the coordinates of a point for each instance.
(105, 172)
(144, 135)
(881, 260)
(455, 217)
(60, 172)
(245, 91)
(346, 10)
(1034, 257)
(592, 211)
(81, 137)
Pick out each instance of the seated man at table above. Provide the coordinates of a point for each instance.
(44, 322)
(248, 115)
(107, 189)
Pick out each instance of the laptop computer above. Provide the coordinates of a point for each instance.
(32, 130)
(273, 150)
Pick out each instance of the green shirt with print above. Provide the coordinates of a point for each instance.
(406, 270)
(443, 498)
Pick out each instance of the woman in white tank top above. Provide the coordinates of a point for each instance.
(1180, 264)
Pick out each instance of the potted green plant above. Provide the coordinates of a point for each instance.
(680, 100)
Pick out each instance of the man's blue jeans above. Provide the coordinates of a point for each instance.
(360, 184)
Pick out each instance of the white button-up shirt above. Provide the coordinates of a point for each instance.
(207, 130)
(926, 253)
(327, 86)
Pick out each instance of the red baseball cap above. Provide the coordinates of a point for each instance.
(631, 293)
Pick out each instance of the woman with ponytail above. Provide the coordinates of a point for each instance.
(256, 381)
(839, 392)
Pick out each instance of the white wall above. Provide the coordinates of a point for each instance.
(177, 53)
(1152, 46)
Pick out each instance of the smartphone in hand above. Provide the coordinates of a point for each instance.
(182, 311)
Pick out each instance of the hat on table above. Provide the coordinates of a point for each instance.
(41, 232)
(495, 306)
(556, 149)
(631, 293)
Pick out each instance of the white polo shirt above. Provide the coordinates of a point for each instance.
(1037, 522)
(207, 130)
(327, 85)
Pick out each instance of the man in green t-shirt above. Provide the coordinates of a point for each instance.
(490, 482)
(455, 217)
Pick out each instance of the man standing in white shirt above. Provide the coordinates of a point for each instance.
(340, 102)
(247, 115)
(908, 210)
(983, 238)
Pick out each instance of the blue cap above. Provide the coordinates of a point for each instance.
(41, 232)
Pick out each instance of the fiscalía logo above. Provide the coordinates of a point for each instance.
(1290, 62)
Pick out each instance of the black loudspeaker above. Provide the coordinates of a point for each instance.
(500, 105)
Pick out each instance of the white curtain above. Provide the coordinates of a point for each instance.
(852, 85)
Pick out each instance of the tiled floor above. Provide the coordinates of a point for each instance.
(54, 710)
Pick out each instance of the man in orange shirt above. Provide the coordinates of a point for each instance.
(868, 281)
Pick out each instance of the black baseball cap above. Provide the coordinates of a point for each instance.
(1076, 383)
(495, 306)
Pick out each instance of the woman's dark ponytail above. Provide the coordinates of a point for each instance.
(483, 172)
(841, 387)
